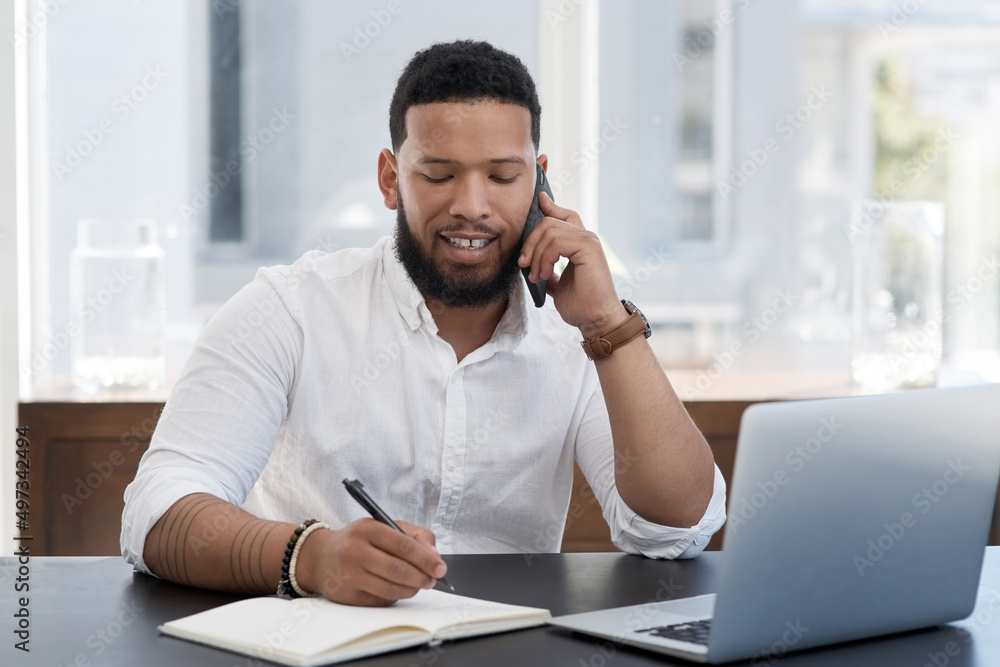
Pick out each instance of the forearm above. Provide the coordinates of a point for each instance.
(206, 542)
(664, 468)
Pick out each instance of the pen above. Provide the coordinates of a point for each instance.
(357, 491)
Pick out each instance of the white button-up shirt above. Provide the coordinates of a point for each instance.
(331, 368)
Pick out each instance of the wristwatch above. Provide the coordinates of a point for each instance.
(603, 345)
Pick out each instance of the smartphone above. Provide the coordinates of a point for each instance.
(535, 215)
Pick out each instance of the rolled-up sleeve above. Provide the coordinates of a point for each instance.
(629, 531)
(223, 417)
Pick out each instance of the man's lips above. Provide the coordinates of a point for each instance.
(468, 248)
(468, 241)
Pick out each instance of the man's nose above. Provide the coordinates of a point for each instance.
(471, 200)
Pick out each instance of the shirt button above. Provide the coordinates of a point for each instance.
(449, 466)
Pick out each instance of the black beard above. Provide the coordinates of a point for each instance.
(462, 288)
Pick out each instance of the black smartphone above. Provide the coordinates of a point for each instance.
(535, 216)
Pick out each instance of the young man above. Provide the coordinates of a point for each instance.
(420, 367)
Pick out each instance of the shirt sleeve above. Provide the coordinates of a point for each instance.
(224, 414)
(629, 531)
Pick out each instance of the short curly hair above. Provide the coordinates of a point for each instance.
(462, 71)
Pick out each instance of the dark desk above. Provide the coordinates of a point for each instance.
(95, 611)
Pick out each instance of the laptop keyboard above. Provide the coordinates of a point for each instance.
(694, 632)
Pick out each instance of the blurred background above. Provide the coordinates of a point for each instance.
(718, 148)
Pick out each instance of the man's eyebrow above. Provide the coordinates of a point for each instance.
(510, 159)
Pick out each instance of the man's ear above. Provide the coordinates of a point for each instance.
(388, 178)
(543, 160)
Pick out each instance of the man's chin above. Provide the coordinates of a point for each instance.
(464, 291)
(456, 284)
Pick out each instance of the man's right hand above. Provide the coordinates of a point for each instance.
(368, 563)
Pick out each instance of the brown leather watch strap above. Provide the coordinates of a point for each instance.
(603, 345)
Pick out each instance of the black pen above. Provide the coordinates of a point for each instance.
(357, 491)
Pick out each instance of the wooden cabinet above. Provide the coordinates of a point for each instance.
(82, 455)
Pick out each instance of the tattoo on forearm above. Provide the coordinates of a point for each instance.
(184, 526)
(260, 556)
(257, 578)
(172, 542)
(165, 540)
(181, 537)
(241, 573)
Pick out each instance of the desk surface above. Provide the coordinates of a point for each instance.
(96, 611)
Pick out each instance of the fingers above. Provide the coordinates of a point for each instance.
(369, 563)
(420, 534)
(552, 284)
(421, 553)
(550, 209)
(560, 234)
(553, 239)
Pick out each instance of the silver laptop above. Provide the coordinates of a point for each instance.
(848, 518)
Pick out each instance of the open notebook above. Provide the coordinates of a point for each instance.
(315, 631)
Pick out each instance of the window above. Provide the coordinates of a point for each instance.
(717, 147)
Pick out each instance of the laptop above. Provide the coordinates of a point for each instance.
(848, 518)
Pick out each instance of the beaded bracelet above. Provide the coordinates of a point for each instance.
(288, 585)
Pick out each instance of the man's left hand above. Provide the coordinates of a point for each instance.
(584, 294)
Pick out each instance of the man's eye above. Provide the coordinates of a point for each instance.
(498, 179)
(436, 180)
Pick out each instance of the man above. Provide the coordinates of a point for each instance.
(419, 367)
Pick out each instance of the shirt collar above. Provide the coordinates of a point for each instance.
(511, 329)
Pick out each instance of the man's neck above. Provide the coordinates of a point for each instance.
(466, 329)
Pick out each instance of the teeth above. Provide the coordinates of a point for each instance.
(473, 244)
